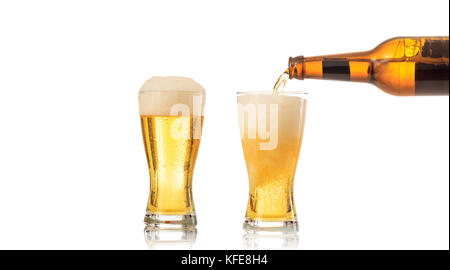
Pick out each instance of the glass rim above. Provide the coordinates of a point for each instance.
(271, 93)
(172, 92)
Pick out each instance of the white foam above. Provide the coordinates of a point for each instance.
(163, 95)
(171, 83)
(290, 112)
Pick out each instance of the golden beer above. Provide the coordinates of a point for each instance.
(171, 162)
(271, 158)
(171, 111)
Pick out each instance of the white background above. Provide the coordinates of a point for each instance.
(374, 168)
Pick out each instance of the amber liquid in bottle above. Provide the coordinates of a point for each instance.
(404, 66)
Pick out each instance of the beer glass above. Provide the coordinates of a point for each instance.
(271, 127)
(171, 121)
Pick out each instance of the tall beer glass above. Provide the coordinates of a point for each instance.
(171, 111)
(271, 128)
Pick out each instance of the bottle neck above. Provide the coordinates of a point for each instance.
(344, 67)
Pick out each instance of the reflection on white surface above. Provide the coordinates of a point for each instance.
(270, 239)
(157, 238)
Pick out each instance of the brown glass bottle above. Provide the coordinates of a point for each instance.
(403, 66)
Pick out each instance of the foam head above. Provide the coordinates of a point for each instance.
(288, 112)
(171, 95)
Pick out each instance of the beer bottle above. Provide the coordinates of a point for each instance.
(403, 66)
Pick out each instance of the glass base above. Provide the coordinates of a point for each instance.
(273, 239)
(259, 225)
(173, 238)
(170, 221)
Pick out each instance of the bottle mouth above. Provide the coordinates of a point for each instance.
(296, 67)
